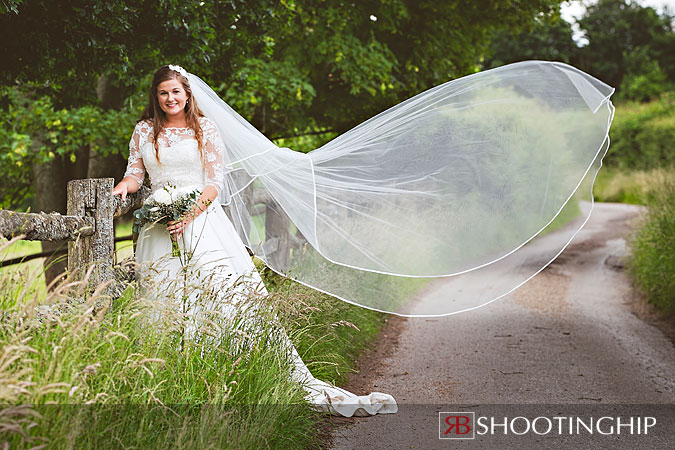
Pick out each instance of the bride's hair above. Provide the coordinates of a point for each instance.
(154, 114)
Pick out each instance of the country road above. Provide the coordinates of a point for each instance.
(570, 336)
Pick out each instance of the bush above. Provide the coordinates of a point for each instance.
(643, 134)
(653, 250)
(644, 80)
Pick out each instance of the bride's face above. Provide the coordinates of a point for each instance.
(172, 97)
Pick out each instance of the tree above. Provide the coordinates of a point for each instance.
(290, 66)
(337, 63)
(548, 38)
(626, 41)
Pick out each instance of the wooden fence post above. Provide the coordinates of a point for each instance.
(93, 198)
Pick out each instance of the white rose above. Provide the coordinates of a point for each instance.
(162, 197)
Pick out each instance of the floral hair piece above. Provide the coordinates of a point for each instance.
(178, 69)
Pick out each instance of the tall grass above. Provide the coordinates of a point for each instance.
(327, 332)
(627, 186)
(641, 170)
(653, 249)
(92, 373)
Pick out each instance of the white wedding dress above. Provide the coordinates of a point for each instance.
(218, 253)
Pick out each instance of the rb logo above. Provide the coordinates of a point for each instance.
(456, 425)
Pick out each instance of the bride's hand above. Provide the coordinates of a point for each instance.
(128, 185)
(177, 227)
(121, 189)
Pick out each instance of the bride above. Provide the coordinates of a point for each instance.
(178, 146)
(479, 180)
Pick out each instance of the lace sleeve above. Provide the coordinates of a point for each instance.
(135, 166)
(214, 153)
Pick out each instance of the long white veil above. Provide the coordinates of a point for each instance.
(482, 180)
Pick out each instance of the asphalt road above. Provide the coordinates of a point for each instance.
(568, 342)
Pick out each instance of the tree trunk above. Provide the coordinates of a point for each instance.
(110, 96)
(49, 182)
(112, 165)
(80, 168)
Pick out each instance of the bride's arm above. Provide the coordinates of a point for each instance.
(133, 177)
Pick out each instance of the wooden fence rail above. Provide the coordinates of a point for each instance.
(45, 227)
(88, 226)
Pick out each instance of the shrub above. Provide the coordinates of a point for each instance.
(653, 250)
(643, 134)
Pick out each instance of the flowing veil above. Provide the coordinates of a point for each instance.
(483, 181)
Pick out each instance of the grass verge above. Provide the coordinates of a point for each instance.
(628, 186)
(652, 263)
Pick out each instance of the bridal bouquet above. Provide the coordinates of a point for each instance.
(163, 206)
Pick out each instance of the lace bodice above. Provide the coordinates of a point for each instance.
(179, 161)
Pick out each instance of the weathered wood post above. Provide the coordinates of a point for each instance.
(92, 197)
